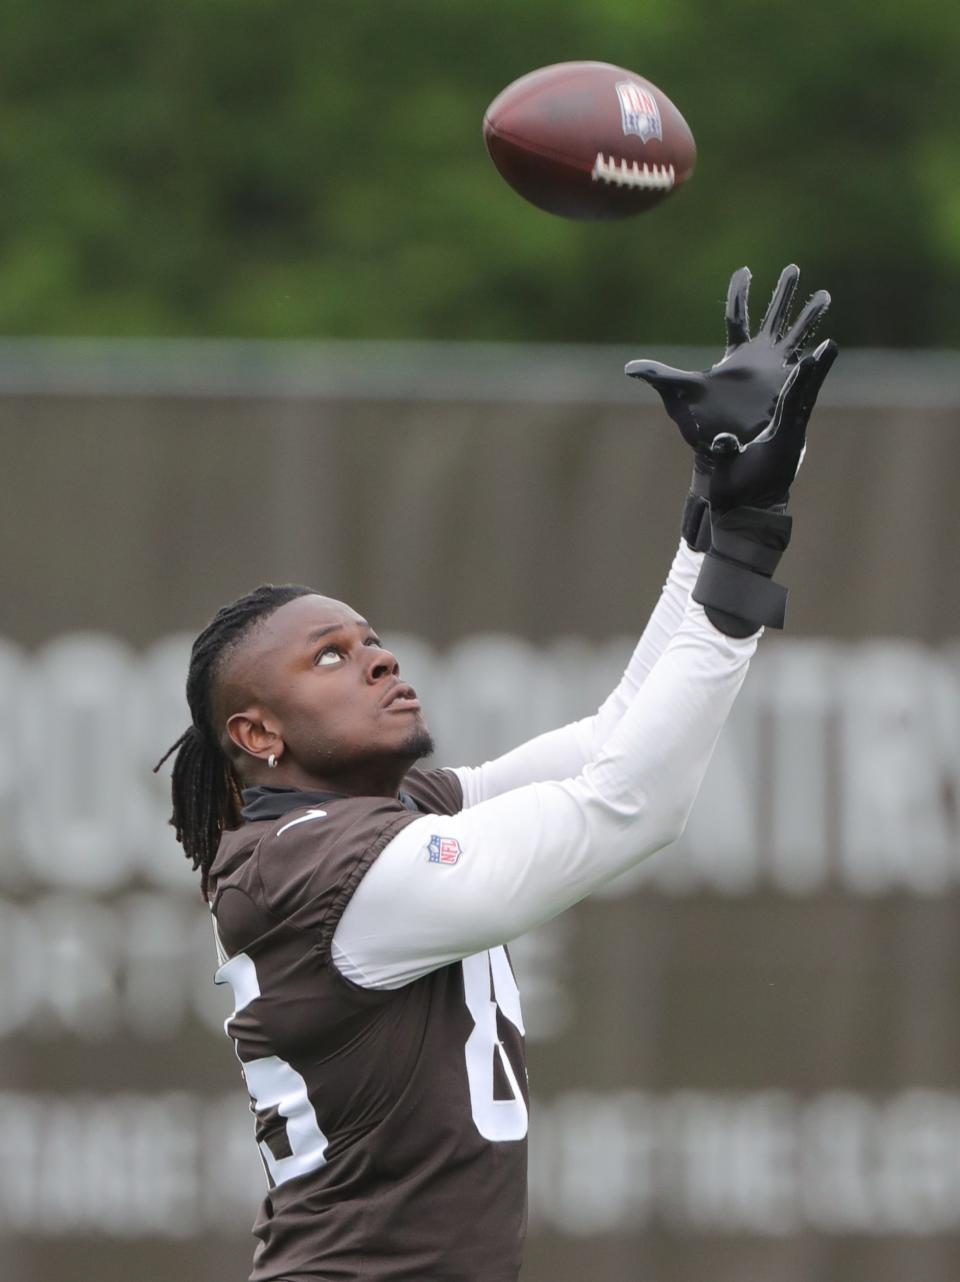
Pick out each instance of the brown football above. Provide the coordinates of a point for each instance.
(588, 140)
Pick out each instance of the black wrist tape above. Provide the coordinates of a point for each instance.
(695, 525)
(734, 585)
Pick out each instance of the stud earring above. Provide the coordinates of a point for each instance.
(272, 761)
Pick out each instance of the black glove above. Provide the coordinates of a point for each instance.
(748, 491)
(759, 473)
(738, 396)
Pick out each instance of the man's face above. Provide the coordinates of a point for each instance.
(320, 676)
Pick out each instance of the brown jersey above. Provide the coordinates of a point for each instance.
(392, 1124)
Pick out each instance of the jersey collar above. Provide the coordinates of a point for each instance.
(263, 802)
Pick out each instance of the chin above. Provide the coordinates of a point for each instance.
(418, 744)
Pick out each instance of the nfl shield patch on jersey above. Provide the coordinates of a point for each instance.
(444, 850)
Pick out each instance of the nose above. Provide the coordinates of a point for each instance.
(382, 664)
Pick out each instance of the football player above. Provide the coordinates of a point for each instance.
(362, 905)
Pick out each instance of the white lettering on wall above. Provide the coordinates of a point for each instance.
(766, 1163)
(769, 1164)
(840, 764)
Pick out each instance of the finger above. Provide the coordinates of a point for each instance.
(724, 445)
(787, 401)
(738, 317)
(776, 317)
(825, 355)
(800, 391)
(804, 327)
(791, 416)
(662, 377)
(819, 367)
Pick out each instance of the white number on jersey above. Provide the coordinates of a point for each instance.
(495, 1119)
(273, 1083)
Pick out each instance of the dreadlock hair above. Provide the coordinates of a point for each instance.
(205, 786)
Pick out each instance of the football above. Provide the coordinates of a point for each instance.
(588, 140)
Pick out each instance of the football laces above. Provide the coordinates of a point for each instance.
(627, 174)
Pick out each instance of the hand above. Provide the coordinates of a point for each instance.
(748, 492)
(739, 395)
(760, 473)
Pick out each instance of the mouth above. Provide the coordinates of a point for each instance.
(402, 698)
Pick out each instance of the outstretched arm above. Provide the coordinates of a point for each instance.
(523, 857)
(562, 753)
(518, 859)
(730, 404)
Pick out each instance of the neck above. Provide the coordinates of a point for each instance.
(379, 779)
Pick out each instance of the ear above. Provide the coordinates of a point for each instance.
(255, 732)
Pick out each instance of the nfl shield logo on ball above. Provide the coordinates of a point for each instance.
(639, 111)
(444, 850)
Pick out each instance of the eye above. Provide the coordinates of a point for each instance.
(375, 641)
(328, 655)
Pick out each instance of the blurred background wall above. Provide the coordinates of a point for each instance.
(267, 313)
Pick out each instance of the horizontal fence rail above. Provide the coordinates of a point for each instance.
(472, 372)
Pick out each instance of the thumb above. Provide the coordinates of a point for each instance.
(662, 377)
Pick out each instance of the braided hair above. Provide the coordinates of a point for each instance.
(205, 786)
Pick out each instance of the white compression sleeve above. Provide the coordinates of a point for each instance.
(521, 858)
(562, 753)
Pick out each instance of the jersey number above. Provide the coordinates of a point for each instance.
(272, 1083)
(495, 1119)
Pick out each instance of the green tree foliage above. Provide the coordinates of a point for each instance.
(315, 169)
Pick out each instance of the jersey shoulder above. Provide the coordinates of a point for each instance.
(301, 868)
(434, 792)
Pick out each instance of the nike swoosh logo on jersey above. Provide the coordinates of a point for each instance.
(311, 814)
